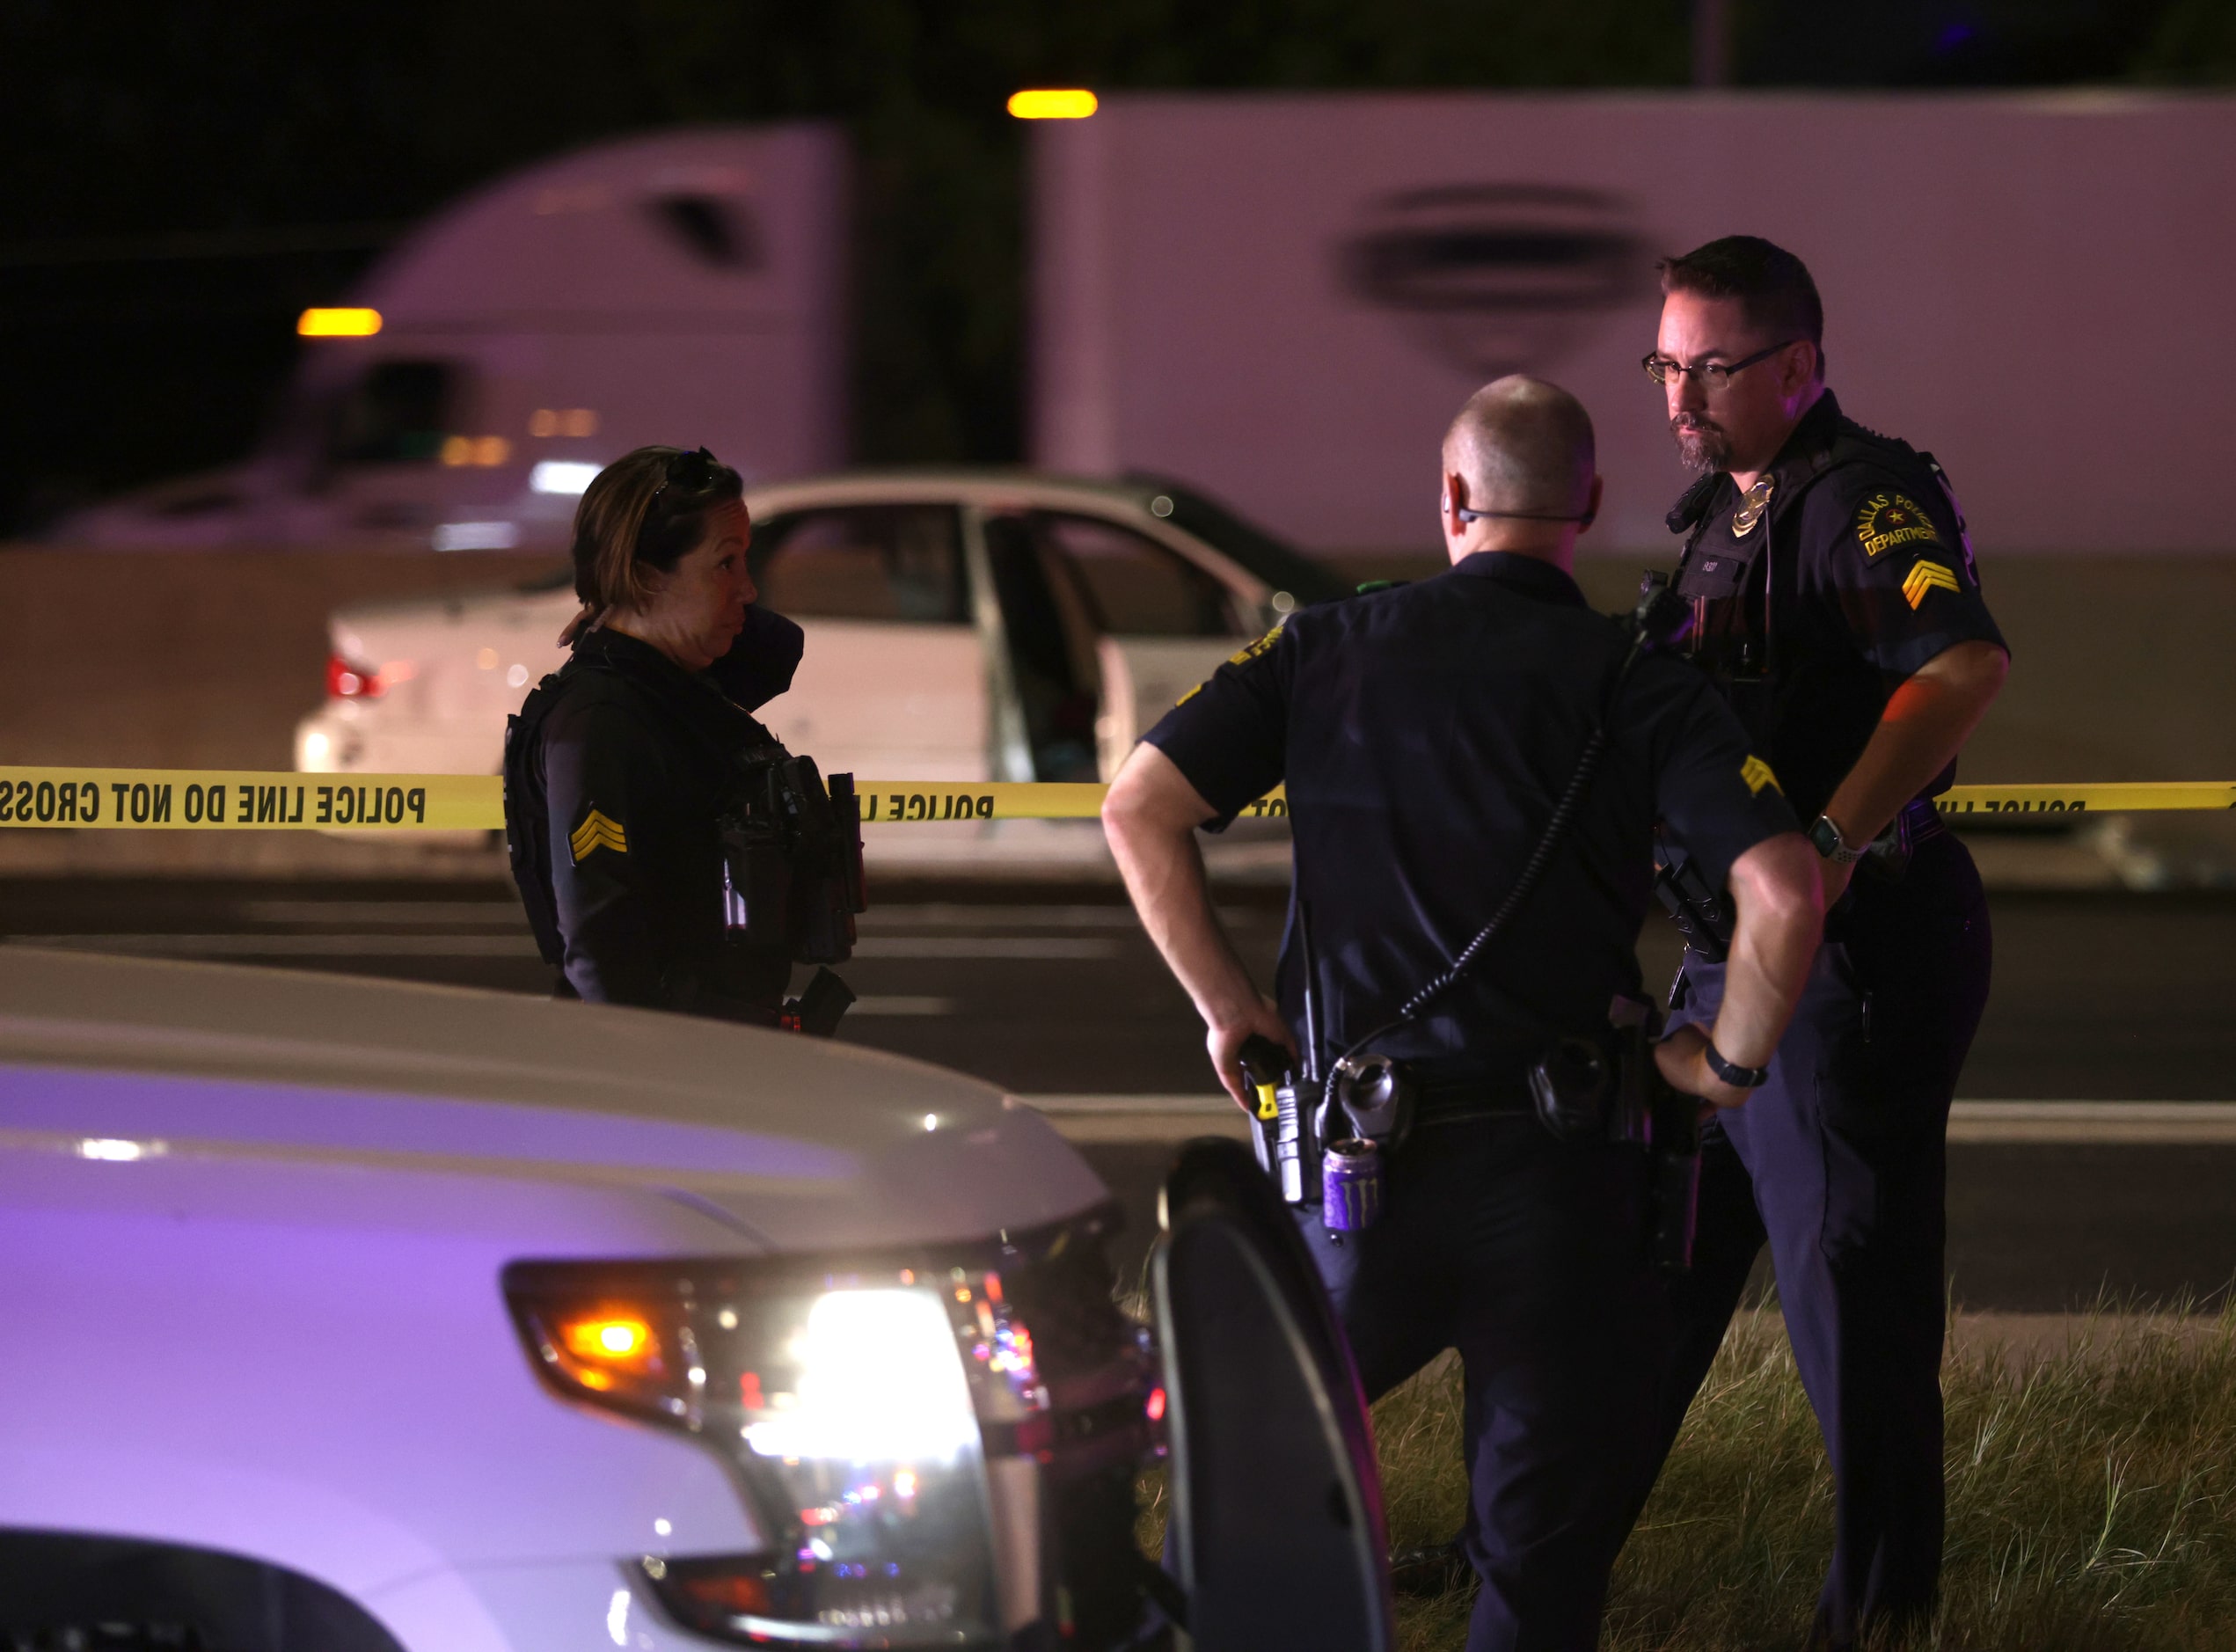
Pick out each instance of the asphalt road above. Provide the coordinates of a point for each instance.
(1053, 990)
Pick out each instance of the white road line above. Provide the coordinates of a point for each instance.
(955, 915)
(333, 914)
(292, 946)
(1053, 947)
(2139, 1123)
(299, 944)
(1157, 1118)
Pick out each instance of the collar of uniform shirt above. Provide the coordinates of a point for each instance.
(1815, 428)
(1533, 576)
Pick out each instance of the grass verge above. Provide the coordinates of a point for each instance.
(2091, 1494)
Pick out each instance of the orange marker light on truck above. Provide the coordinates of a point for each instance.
(607, 1337)
(1053, 104)
(338, 324)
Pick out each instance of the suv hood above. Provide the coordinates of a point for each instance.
(798, 1143)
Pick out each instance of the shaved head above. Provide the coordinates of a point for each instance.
(1522, 444)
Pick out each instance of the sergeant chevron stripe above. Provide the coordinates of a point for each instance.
(1757, 773)
(598, 831)
(1924, 577)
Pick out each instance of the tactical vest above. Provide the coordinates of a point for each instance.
(791, 850)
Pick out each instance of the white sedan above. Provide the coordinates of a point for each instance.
(961, 626)
(348, 1316)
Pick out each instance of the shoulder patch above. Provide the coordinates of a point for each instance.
(1757, 773)
(1257, 648)
(598, 831)
(1886, 520)
(1924, 577)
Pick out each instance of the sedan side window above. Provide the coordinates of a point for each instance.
(900, 563)
(1137, 586)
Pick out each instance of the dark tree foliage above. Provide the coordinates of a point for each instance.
(179, 179)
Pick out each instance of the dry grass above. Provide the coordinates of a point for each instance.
(2092, 1490)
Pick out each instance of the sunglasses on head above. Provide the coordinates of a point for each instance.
(690, 472)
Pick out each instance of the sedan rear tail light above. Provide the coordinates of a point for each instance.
(884, 1422)
(347, 680)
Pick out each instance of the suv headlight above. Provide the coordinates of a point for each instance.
(907, 1449)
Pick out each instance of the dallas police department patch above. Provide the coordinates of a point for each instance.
(598, 831)
(1256, 650)
(1259, 646)
(1888, 519)
(1757, 773)
(1924, 577)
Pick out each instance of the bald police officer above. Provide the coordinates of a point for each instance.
(1839, 610)
(1424, 734)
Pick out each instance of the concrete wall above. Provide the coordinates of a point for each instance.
(202, 659)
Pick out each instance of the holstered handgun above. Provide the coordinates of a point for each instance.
(1702, 914)
(1608, 1088)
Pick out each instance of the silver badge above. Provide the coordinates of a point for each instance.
(1751, 509)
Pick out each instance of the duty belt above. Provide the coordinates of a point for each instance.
(1460, 1101)
(1921, 818)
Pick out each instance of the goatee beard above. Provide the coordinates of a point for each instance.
(1700, 447)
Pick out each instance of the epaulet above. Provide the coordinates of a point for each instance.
(1368, 587)
(1854, 443)
(1692, 504)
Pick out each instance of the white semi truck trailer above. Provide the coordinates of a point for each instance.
(683, 287)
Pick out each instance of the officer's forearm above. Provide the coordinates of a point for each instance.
(1151, 816)
(1779, 918)
(1926, 722)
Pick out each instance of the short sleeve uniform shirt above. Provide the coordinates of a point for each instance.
(1814, 600)
(1424, 734)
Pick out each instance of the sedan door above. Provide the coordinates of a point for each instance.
(1160, 623)
(893, 683)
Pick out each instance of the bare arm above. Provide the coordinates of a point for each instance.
(1151, 816)
(1926, 723)
(1780, 918)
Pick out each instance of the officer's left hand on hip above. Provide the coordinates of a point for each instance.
(1683, 1057)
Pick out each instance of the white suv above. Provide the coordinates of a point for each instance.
(346, 1316)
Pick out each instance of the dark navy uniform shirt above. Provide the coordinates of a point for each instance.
(634, 762)
(1424, 733)
(1812, 609)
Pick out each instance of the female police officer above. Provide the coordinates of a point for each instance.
(635, 775)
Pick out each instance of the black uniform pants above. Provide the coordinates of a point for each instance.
(1528, 1255)
(1839, 1161)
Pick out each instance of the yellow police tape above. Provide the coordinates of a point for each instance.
(198, 800)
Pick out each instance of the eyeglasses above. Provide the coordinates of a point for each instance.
(1710, 376)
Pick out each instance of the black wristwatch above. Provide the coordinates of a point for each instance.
(1737, 1077)
(1831, 845)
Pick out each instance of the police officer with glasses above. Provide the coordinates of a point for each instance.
(1428, 735)
(1839, 610)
